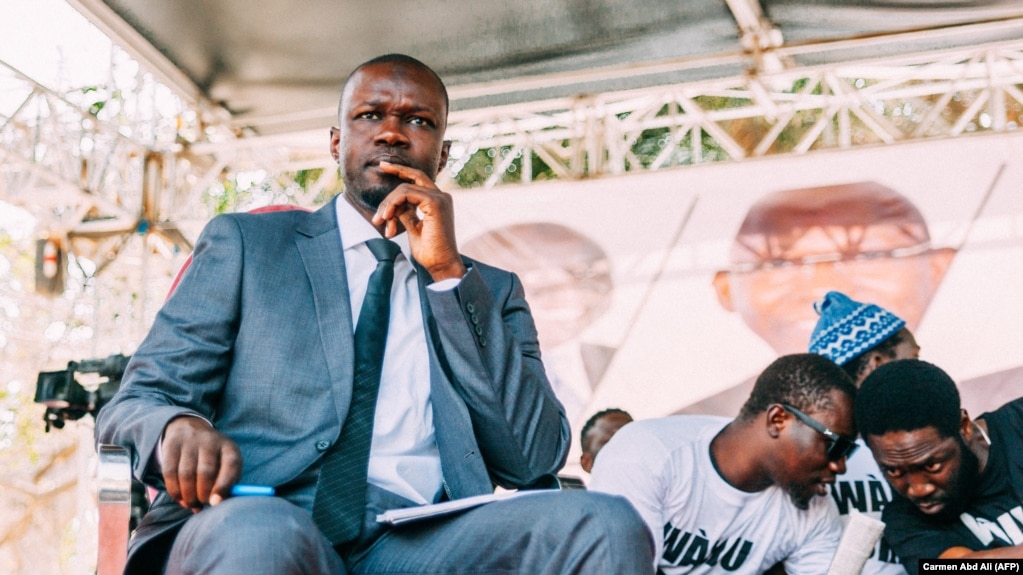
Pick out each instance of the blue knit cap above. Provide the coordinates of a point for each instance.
(848, 328)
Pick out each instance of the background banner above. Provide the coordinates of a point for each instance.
(668, 292)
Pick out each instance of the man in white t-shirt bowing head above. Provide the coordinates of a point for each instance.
(740, 496)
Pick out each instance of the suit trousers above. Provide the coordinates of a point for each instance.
(567, 532)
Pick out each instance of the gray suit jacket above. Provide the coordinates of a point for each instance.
(257, 338)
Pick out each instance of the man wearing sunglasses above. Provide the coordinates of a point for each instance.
(740, 496)
(860, 337)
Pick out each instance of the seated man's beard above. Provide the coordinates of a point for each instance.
(375, 195)
(371, 197)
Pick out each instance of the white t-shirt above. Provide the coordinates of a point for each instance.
(863, 488)
(700, 523)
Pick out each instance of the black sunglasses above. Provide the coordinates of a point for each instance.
(838, 446)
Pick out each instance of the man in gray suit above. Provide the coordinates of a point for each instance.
(247, 376)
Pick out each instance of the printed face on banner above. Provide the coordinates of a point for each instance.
(633, 280)
(566, 275)
(567, 279)
(862, 239)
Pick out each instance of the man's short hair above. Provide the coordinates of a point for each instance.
(802, 380)
(588, 426)
(399, 60)
(906, 395)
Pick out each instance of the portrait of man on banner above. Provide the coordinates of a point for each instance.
(567, 278)
(863, 239)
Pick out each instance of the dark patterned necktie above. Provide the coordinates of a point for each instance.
(340, 501)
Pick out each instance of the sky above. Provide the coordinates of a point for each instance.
(54, 45)
(51, 42)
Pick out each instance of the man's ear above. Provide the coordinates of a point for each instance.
(777, 419)
(445, 149)
(965, 426)
(586, 460)
(941, 259)
(335, 141)
(723, 288)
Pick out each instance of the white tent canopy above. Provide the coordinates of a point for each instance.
(277, 65)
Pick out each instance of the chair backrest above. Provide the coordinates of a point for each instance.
(114, 480)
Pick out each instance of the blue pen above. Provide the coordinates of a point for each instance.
(243, 490)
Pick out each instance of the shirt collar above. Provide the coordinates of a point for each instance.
(355, 230)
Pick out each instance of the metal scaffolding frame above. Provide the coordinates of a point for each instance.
(96, 176)
(796, 110)
(939, 94)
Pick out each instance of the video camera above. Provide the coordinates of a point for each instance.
(67, 399)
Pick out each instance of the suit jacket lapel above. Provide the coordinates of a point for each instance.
(465, 474)
(319, 244)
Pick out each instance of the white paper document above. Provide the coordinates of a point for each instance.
(410, 514)
(858, 540)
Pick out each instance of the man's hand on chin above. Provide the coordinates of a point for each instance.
(428, 217)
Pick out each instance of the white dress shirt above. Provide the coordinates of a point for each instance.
(403, 456)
